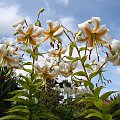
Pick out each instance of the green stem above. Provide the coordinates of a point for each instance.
(78, 55)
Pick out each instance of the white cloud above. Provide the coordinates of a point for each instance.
(115, 30)
(63, 2)
(117, 71)
(69, 22)
(49, 12)
(10, 15)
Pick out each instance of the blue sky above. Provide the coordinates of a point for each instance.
(67, 12)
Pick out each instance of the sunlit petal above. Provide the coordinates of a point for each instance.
(59, 32)
(102, 31)
(85, 27)
(49, 22)
(96, 22)
(33, 42)
(82, 39)
(20, 38)
(30, 29)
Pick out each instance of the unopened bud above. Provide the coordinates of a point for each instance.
(38, 23)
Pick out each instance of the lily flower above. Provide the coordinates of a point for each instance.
(57, 52)
(92, 34)
(29, 35)
(115, 45)
(7, 58)
(114, 54)
(19, 22)
(67, 67)
(48, 70)
(53, 32)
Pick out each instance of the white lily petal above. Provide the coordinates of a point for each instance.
(19, 28)
(59, 32)
(115, 44)
(94, 19)
(19, 22)
(48, 65)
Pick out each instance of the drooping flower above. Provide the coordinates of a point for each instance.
(48, 70)
(30, 35)
(7, 57)
(57, 52)
(53, 32)
(67, 67)
(114, 54)
(92, 32)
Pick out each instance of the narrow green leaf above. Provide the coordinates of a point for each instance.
(83, 59)
(40, 54)
(88, 99)
(88, 83)
(28, 63)
(99, 104)
(19, 108)
(106, 95)
(82, 48)
(80, 73)
(75, 59)
(27, 70)
(96, 114)
(88, 66)
(16, 99)
(88, 111)
(28, 80)
(29, 51)
(13, 117)
(24, 84)
(70, 50)
(69, 58)
(97, 91)
(93, 74)
(17, 91)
